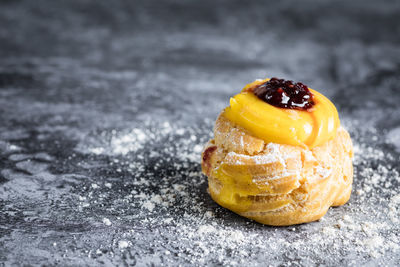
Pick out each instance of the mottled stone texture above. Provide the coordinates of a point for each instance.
(104, 107)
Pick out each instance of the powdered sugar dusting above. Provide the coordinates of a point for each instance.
(273, 154)
(122, 97)
(258, 159)
(323, 172)
(200, 231)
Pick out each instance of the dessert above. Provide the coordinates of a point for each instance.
(279, 155)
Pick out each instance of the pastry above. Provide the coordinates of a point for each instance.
(279, 155)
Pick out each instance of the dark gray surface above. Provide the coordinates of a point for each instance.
(104, 108)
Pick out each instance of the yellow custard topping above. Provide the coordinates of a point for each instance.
(282, 125)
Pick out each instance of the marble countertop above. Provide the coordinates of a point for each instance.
(105, 107)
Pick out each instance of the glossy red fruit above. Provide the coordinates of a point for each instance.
(285, 94)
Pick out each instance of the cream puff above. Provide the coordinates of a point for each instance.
(279, 155)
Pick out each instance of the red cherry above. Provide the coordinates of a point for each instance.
(272, 92)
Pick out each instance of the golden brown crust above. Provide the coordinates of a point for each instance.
(295, 184)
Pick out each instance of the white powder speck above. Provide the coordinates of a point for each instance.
(148, 205)
(141, 195)
(323, 172)
(168, 220)
(374, 245)
(208, 214)
(198, 148)
(14, 147)
(206, 229)
(96, 150)
(156, 199)
(106, 221)
(180, 131)
(123, 244)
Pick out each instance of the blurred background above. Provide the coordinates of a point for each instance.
(105, 107)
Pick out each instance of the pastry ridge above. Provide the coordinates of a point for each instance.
(292, 184)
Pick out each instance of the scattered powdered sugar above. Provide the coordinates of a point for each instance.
(394, 208)
(258, 159)
(274, 155)
(107, 221)
(308, 155)
(323, 172)
(130, 142)
(163, 202)
(123, 244)
(124, 142)
(148, 205)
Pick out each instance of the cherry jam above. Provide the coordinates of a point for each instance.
(285, 94)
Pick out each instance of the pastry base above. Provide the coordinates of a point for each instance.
(289, 184)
